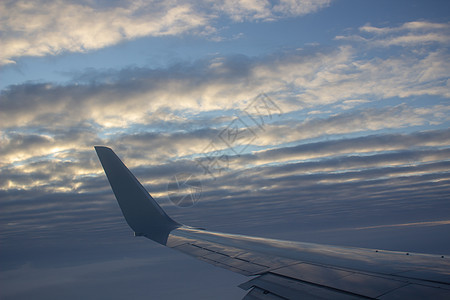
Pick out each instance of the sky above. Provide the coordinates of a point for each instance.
(319, 121)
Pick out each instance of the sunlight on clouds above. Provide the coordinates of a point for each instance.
(21, 147)
(295, 80)
(55, 150)
(41, 28)
(349, 104)
(57, 189)
(52, 27)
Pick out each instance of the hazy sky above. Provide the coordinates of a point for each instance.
(318, 121)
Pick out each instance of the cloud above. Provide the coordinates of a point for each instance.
(21, 145)
(296, 80)
(54, 27)
(362, 120)
(363, 145)
(180, 110)
(73, 171)
(69, 149)
(160, 120)
(167, 117)
(409, 34)
(42, 27)
(242, 10)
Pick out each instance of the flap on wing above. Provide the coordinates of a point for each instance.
(355, 286)
(272, 286)
(306, 280)
(344, 280)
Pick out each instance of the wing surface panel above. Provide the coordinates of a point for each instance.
(306, 265)
(403, 265)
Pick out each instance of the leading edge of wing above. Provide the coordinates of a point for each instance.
(141, 211)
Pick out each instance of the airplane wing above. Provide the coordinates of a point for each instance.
(282, 269)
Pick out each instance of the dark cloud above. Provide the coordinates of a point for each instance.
(387, 176)
(362, 144)
(285, 200)
(143, 89)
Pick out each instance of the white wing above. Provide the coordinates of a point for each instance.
(282, 269)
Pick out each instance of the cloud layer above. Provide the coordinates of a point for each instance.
(48, 130)
(347, 136)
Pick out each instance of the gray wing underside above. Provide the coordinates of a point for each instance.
(282, 269)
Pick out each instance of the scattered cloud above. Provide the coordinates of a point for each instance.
(242, 10)
(417, 33)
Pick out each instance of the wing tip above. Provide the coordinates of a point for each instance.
(99, 147)
(142, 213)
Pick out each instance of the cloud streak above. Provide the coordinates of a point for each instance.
(409, 34)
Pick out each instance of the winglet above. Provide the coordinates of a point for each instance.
(140, 210)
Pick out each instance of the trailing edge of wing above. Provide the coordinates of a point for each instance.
(140, 210)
